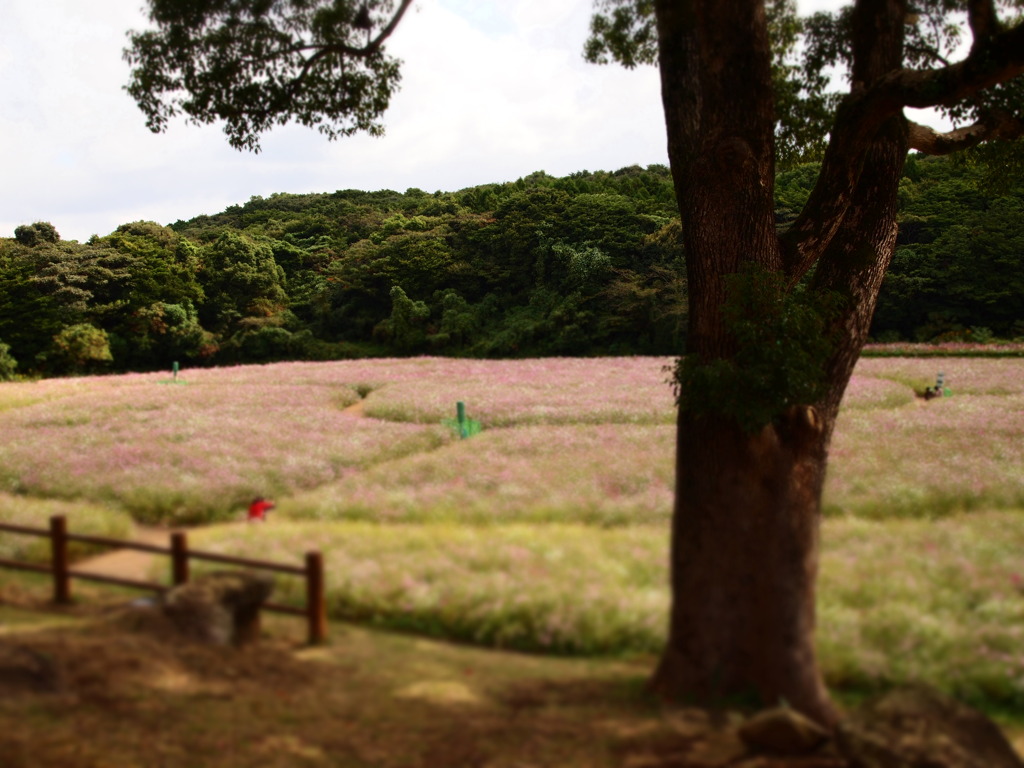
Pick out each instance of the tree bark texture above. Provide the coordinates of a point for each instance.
(744, 564)
(745, 539)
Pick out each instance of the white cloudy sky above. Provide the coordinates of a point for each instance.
(492, 90)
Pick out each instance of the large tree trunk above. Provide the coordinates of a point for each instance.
(744, 563)
(745, 539)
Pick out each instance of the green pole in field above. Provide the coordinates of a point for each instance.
(174, 369)
(460, 415)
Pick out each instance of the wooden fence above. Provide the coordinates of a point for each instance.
(313, 571)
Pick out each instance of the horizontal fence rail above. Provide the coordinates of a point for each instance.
(315, 610)
(20, 566)
(24, 530)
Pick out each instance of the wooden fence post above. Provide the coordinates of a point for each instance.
(59, 559)
(179, 558)
(316, 608)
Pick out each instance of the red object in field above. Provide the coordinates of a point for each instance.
(259, 508)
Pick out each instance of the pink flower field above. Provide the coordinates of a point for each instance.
(502, 393)
(963, 375)
(896, 455)
(191, 452)
(563, 439)
(606, 474)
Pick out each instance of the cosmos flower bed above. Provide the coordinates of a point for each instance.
(609, 474)
(502, 393)
(563, 440)
(191, 453)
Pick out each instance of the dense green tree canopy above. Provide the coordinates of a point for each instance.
(80, 347)
(8, 365)
(311, 276)
(34, 234)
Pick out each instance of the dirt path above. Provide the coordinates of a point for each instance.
(130, 563)
(355, 410)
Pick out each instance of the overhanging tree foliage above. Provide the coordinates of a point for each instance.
(257, 63)
(777, 319)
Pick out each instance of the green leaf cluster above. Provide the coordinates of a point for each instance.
(782, 340)
(253, 64)
(8, 365)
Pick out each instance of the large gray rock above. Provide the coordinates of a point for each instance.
(221, 608)
(918, 727)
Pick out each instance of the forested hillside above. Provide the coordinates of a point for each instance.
(587, 264)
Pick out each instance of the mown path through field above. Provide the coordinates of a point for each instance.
(355, 410)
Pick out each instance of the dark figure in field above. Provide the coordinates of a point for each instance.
(258, 509)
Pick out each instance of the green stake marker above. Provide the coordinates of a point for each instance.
(174, 369)
(460, 416)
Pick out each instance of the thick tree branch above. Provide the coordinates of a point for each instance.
(996, 57)
(878, 30)
(323, 51)
(371, 47)
(931, 142)
(982, 18)
(928, 53)
(320, 50)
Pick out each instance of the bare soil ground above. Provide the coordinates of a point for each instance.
(109, 685)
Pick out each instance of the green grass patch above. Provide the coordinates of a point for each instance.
(83, 518)
(912, 503)
(915, 350)
(899, 600)
(343, 397)
(917, 600)
(568, 589)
